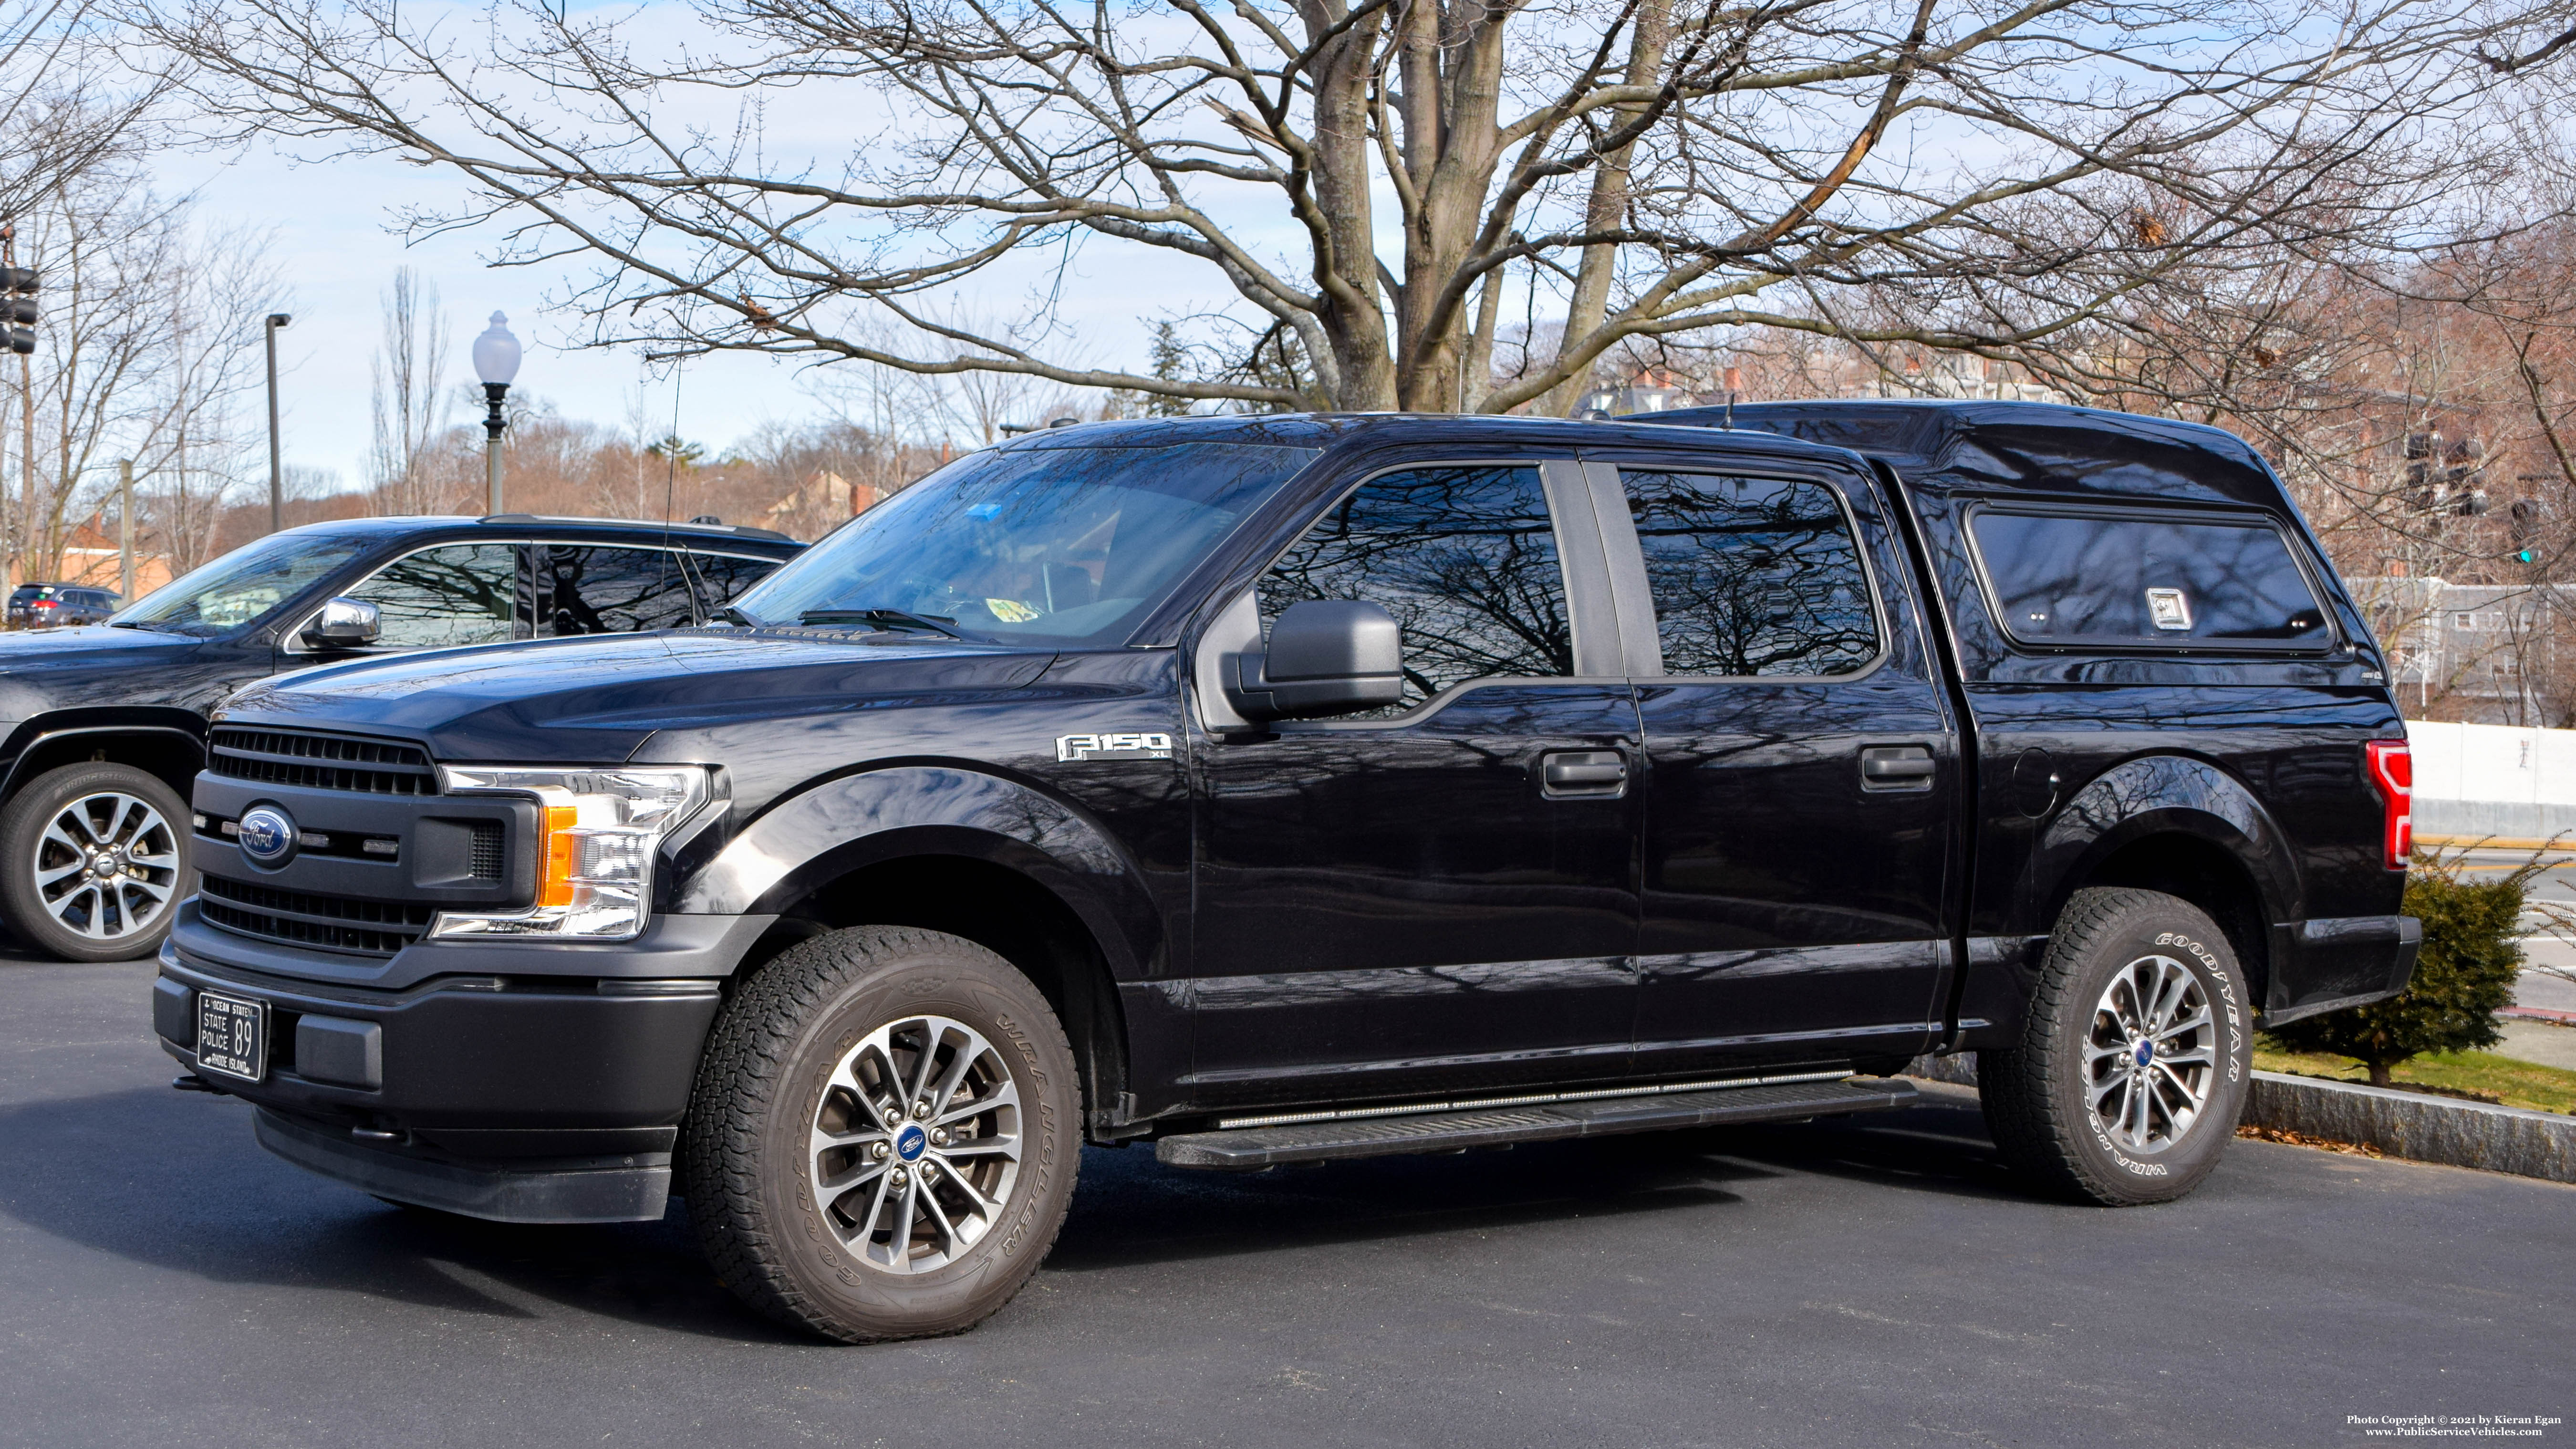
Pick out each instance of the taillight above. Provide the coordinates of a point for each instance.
(2392, 769)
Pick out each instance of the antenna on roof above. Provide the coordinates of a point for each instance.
(1730, 410)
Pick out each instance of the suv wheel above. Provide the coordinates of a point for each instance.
(884, 1134)
(93, 860)
(2134, 1062)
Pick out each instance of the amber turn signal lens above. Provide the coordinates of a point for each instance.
(563, 853)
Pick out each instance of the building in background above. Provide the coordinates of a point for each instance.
(823, 502)
(2476, 653)
(91, 560)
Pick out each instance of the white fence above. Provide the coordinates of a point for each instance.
(2500, 780)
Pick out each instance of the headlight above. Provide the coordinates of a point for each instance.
(595, 856)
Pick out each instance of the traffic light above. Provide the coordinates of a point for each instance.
(18, 302)
(2524, 521)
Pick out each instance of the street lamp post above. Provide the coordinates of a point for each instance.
(496, 362)
(276, 474)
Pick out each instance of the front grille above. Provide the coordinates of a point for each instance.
(357, 924)
(322, 762)
(486, 863)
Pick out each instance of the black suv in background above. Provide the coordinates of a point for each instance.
(1276, 790)
(102, 728)
(53, 606)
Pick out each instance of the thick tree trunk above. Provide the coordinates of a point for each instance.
(1591, 301)
(1346, 266)
(1452, 121)
(2379, 1074)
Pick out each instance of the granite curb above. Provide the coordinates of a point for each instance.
(2410, 1125)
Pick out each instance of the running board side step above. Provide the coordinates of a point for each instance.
(1250, 1149)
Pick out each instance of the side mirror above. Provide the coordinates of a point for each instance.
(343, 624)
(1326, 656)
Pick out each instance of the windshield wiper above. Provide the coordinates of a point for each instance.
(156, 628)
(885, 619)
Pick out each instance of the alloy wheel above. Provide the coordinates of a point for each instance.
(2150, 1056)
(915, 1144)
(107, 866)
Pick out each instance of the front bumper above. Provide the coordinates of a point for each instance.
(503, 1096)
(630, 1187)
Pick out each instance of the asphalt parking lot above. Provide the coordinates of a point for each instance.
(164, 1281)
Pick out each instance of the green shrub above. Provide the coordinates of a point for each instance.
(2465, 975)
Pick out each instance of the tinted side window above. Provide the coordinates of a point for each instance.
(722, 579)
(461, 594)
(2145, 581)
(610, 590)
(1464, 558)
(1752, 576)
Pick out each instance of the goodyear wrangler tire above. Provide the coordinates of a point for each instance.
(2135, 1058)
(883, 1136)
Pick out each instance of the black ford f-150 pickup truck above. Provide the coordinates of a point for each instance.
(1278, 790)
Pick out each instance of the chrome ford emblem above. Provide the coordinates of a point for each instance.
(267, 835)
(909, 1142)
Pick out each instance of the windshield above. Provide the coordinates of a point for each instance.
(1067, 546)
(242, 585)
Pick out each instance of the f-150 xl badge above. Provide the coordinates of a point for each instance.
(1113, 747)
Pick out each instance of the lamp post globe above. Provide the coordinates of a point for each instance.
(496, 363)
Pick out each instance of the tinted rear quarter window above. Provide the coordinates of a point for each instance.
(2070, 579)
(611, 590)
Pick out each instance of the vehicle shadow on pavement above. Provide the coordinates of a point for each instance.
(1939, 1145)
(176, 1182)
(1131, 1210)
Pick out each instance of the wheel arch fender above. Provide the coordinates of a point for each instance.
(169, 744)
(2175, 807)
(849, 823)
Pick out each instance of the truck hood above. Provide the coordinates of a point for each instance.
(596, 700)
(44, 669)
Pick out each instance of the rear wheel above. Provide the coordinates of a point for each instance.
(93, 860)
(2135, 1058)
(884, 1134)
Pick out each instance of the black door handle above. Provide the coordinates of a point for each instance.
(1897, 767)
(1583, 774)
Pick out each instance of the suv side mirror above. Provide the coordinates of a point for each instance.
(343, 624)
(1326, 656)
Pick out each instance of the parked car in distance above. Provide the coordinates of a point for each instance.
(103, 727)
(52, 606)
(1277, 790)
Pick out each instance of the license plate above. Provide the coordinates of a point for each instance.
(232, 1036)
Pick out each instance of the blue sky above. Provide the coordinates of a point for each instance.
(335, 249)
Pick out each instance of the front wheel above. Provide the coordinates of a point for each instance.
(93, 861)
(2134, 1061)
(883, 1137)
